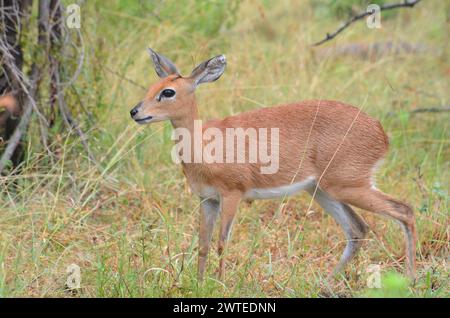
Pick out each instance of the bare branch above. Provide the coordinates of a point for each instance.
(70, 122)
(405, 3)
(57, 87)
(124, 77)
(437, 109)
(431, 110)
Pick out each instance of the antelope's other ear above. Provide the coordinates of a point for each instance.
(209, 71)
(163, 66)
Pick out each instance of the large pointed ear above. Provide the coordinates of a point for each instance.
(163, 66)
(209, 71)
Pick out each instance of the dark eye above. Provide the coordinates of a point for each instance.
(168, 93)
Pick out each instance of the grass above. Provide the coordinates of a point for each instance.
(131, 225)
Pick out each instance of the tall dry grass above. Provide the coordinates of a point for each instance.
(131, 224)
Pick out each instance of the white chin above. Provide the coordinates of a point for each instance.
(150, 120)
(147, 121)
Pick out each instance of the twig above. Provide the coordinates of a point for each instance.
(431, 110)
(15, 74)
(70, 122)
(124, 77)
(425, 110)
(43, 37)
(80, 59)
(405, 3)
(57, 86)
(89, 114)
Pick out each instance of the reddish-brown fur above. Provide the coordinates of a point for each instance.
(10, 106)
(9, 119)
(335, 143)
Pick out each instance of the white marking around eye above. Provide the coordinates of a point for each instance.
(276, 192)
(159, 97)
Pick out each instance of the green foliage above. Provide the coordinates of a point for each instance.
(439, 191)
(393, 285)
(205, 17)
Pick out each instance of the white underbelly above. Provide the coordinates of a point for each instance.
(281, 191)
(208, 192)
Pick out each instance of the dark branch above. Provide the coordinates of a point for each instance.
(362, 15)
(431, 110)
(124, 77)
(437, 109)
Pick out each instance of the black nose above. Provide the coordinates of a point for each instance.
(135, 109)
(133, 112)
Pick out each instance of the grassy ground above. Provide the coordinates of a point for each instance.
(131, 225)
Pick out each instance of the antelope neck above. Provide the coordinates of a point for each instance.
(187, 121)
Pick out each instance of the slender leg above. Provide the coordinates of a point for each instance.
(378, 202)
(355, 228)
(230, 203)
(209, 209)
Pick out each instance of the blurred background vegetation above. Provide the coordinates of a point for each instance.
(128, 219)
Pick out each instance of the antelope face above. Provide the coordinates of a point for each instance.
(164, 100)
(172, 97)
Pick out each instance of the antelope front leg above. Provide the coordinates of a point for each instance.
(209, 209)
(229, 203)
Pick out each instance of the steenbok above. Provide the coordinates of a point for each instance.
(327, 148)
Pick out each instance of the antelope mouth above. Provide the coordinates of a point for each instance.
(143, 120)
